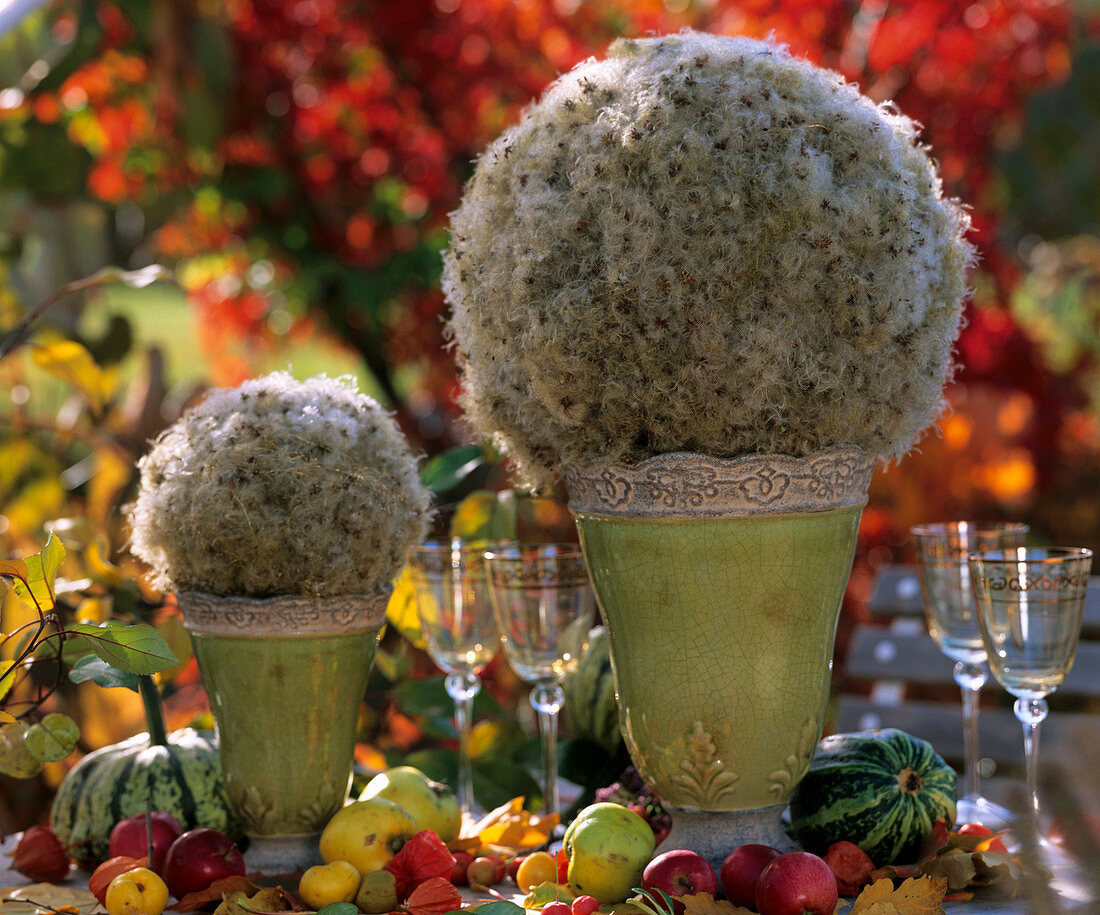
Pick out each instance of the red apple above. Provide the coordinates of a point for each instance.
(797, 883)
(129, 837)
(458, 871)
(680, 873)
(198, 858)
(741, 870)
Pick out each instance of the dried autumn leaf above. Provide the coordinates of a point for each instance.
(203, 899)
(38, 898)
(916, 896)
(272, 899)
(511, 828)
(706, 904)
(436, 896)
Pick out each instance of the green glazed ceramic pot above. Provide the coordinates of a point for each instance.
(285, 677)
(720, 582)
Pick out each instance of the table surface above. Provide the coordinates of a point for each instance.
(1072, 894)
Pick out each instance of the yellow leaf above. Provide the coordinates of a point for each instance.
(511, 827)
(7, 678)
(474, 516)
(706, 904)
(7, 717)
(92, 610)
(401, 610)
(99, 566)
(916, 896)
(111, 471)
(15, 568)
(72, 363)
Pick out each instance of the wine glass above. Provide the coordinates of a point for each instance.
(544, 606)
(457, 622)
(1030, 603)
(949, 609)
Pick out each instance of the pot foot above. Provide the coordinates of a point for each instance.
(714, 834)
(277, 855)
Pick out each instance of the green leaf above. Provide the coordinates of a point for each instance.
(447, 470)
(15, 761)
(41, 569)
(339, 908)
(53, 738)
(96, 670)
(137, 649)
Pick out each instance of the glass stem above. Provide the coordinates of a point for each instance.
(1031, 712)
(971, 678)
(547, 698)
(462, 687)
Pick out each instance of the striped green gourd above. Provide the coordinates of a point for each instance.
(881, 789)
(179, 773)
(590, 702)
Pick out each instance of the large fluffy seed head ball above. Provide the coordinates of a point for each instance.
(704, 244)
(279, 487)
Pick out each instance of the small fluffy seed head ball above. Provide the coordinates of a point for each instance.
(704, 244)
(279, 487)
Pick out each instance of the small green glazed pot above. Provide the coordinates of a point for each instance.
(285, 677)
(720, 582)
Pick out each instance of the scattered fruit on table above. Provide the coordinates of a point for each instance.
(851, 866)
(881, 789)
(486, 870)
(367, 833)
(537, 868)
(136, 892)
(432, 805)
(741, 870)
(796, 883)
(183, 778)
(40, 856)
(198, 858)
(557, 908)
(107, 871)
(377, 893)
(323, 884)
(131, 837)
(680, 873)
(608, 848)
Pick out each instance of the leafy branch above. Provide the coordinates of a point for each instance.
(110, 653)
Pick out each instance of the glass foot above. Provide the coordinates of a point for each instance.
(977, 809)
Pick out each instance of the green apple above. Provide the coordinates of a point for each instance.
(367, 834)
(432, 804)
(608, 848)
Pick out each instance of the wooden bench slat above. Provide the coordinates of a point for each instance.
(875, 653)
(1000, 734)
(897, 594)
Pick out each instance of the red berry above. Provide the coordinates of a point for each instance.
(557, 908)
(584, 905)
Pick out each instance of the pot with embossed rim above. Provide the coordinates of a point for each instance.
(720, 582)
(285, 676)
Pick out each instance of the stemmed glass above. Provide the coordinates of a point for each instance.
(942, 550)
(1030, 603)
(544, 607)
(457, 622)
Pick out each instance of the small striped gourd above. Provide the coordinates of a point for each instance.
(881, 789)
(590, 702)
(179, 773)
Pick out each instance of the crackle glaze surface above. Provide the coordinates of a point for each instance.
(286, 704)
(721, 635)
